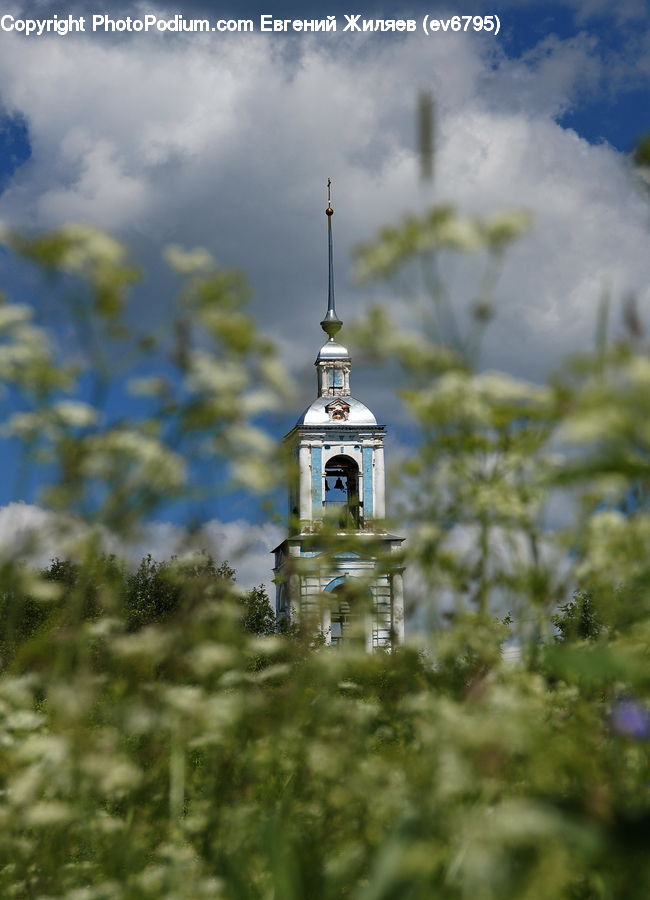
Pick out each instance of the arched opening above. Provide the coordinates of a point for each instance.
(342, 491)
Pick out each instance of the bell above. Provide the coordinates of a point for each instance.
(339, 485)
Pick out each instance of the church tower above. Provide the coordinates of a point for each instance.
(338, 566)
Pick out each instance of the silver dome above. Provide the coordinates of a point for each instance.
(332, 350)
(316, 414)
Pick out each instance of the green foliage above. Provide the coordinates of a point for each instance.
(156, 591)
(258, 617)
(578, 619)
(153, 594)
(151, 746)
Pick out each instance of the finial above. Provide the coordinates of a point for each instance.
(331, 324)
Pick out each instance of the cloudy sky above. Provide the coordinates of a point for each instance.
(226, 141)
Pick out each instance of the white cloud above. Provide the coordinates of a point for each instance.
(228, 143)
(247, 547)
(622, 12)
(20, 527)
(167, 140)
(589, 234)
(37, 536)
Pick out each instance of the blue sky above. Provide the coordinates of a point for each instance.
(226, 142)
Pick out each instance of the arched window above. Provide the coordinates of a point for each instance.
(342, 490)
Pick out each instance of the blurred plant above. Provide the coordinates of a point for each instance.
(218, 376)
(152, 594)
(577, 619)
(156, 749)
(477, 485)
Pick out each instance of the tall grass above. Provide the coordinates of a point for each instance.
(187, 758)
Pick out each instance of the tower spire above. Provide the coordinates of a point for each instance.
(331, 324)
(338, 490)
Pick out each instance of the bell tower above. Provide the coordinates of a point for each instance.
(339, 566)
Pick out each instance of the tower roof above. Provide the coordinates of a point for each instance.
(332, 350)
